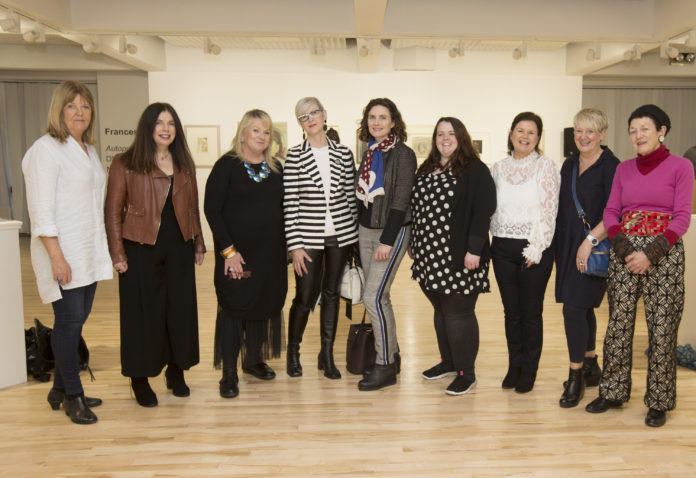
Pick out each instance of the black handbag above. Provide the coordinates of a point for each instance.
(40, 358)
(598, 261)
(360, 350)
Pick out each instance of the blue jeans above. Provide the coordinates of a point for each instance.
(70, 314)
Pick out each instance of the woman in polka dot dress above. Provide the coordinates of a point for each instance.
(453, 200)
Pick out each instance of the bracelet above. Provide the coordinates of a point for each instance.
(229, 252)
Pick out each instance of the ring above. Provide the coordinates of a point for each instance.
(582, 263)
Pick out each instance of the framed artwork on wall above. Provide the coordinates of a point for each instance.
(204, 143)
(482, 143)
(420, 138)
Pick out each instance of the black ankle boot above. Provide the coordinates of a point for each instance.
(78, 411)
(229, 384)
(526, 380)
(380, 377)
(397, 363)
(574, 390)
(143, 392)
(175, 381)
(326, 360)
(55, 398)
(293, 368)
(591, 371)
(512, 377)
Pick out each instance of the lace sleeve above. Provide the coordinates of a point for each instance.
(548, 183)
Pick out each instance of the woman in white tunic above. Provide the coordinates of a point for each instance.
(65, 194)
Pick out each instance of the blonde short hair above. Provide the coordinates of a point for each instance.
(593, 117)
(244, 123)
(303, 103)
(62, 95)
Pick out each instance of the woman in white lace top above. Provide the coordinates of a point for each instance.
(527, 185)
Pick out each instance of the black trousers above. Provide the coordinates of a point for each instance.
(581, 330)
(323, 277)
(522, 291)
(456, 329)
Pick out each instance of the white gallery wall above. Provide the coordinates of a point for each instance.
(484, 89)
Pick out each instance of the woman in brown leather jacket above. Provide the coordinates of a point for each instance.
(154, 232)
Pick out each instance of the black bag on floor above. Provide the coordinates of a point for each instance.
(360, 349)
(40, 358)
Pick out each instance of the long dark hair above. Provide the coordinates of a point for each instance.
(399, 129)
(526, 116)
(464, 155)
(141, 155)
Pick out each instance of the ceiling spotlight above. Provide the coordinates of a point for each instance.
(92, 45)
(689, 57)
(683, 58)
(211, 48)
(11, 23)
(125, 47)
(672, 52)
(316, 47)
(594, 54)
(456, 51)
(520, 51)
(633, 54)
(35, 34)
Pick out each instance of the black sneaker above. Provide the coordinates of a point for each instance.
(438, 371)
(460, 386)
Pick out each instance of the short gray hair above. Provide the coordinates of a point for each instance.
(593, 117)
(303, 103)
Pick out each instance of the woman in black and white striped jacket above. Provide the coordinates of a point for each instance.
(320, 227)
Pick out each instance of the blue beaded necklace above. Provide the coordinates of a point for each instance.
(263, 174)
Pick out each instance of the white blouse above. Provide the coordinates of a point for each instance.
(527, 192)
(65, 198)
(321, 157)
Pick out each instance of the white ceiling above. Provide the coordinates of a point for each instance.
(611, 28)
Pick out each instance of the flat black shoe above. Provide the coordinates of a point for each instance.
(144, 394)
(381, 376)
(174, 378)
(229, 385)
(260, 370)
(655, 418)
(78, 411)
(55, 398)
(601, 405)
(512, 377)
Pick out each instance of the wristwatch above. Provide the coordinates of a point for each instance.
(593, 240)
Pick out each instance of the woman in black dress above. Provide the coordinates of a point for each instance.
(154, 232)
(580, 293)
(244, 207)
(452, 204)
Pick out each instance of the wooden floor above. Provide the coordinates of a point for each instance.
(312, 426)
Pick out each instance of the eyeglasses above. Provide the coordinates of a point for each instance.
(307, 116)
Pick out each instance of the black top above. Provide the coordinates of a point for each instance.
(248, 215)
(593, 188)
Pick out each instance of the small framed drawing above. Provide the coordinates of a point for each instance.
(482, 143)
(204, 143)
(420, 139)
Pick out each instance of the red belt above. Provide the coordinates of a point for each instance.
(645, 223)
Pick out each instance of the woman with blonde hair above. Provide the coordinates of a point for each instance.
(592, 170)
(65, 184)
(244, 207)
(320, 227)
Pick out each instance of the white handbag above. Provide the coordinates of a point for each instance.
(352, 283)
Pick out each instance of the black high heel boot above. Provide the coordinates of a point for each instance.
(512, 377)
(293, 367)
(78, 411)
(174, 378)
(143, 392)
(55, 398)
(326, 360)
(574, 390)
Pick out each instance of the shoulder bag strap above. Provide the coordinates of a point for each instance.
(578, 207)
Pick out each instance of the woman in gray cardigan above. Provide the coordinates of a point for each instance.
(385, 180)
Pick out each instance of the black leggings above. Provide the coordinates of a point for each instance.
(456, 329)
(581, 331)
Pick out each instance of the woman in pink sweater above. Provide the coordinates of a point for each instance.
(648, 211)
